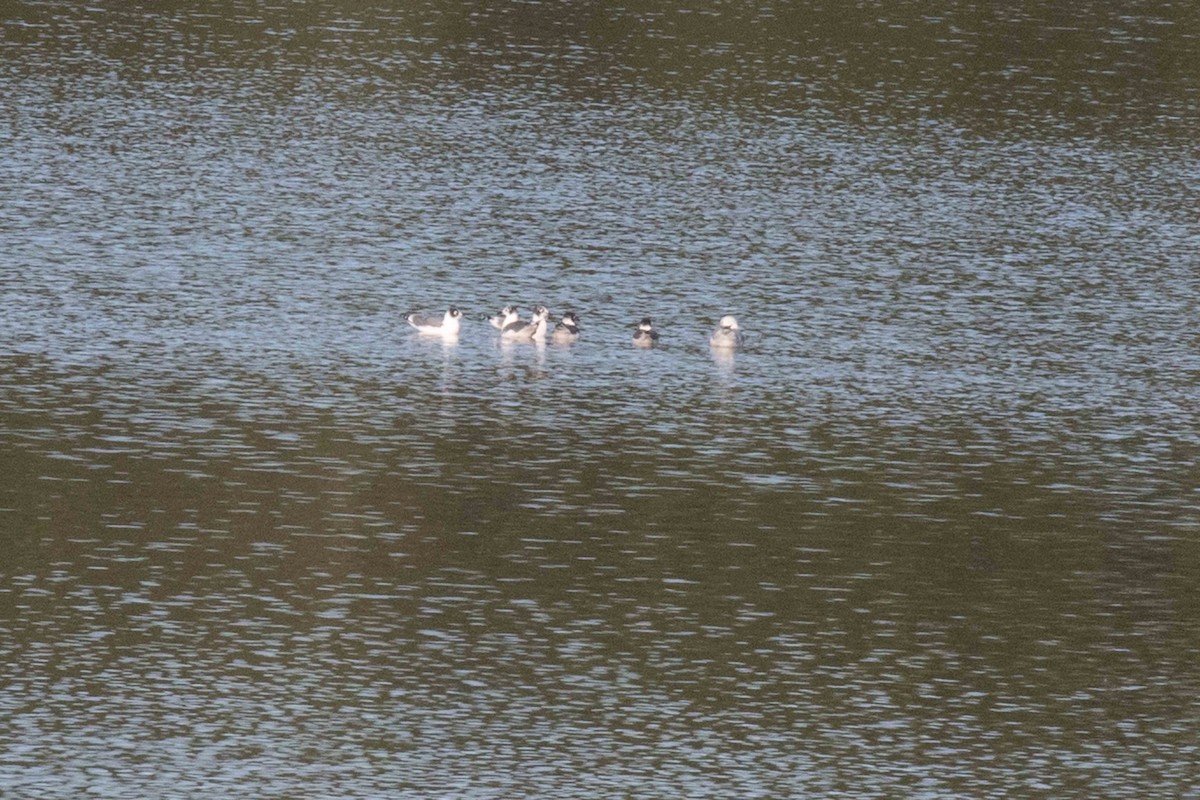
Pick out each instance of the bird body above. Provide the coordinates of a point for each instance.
(531, 330)
(505, 316)
(727, 333)
(446, 325)
(645, 335)
(567, 329)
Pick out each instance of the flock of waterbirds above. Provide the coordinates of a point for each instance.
(535, 329)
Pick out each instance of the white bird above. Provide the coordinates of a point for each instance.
(645, 335)
(535, 328)
(505, 316)
(447, 325)
(727, 333)
(567, 329)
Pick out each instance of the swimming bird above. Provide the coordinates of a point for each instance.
(645, 335)
(567, 329)
(727, 333)
(447, 325)
(535, 328)
(505, 316)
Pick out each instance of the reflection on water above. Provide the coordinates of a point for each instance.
(723, 357)
(933, 530)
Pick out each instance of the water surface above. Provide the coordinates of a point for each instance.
(934, 531)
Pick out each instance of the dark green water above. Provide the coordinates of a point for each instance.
(934, 532)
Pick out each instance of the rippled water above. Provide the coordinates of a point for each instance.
(933, 532)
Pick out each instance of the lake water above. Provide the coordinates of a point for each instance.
(933, 532)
